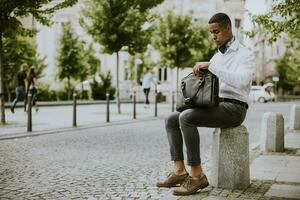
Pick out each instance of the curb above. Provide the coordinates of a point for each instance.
(70, 103)
(78, 128)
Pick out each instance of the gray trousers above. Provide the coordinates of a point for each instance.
(185, 124)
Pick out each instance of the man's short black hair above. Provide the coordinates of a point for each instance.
(220, 18)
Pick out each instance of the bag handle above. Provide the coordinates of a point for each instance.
(183, 85)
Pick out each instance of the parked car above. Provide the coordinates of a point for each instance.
(262, 94)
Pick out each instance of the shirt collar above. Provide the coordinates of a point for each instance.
(233, 44)
(230, 45)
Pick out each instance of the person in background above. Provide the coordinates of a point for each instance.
(146, 84)
(20, 89)
(31, 87)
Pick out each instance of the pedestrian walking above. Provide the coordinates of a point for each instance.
(146, 84)
(21, 84)
(32, 87)
(233, 64)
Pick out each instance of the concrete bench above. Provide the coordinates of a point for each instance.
(295, 117)
(230, 158)
(272, 132)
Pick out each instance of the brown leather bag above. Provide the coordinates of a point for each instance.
(198, 91)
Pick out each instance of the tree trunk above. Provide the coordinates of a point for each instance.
(8, 92)
(2, 104)
(118, 91)
(69, 89)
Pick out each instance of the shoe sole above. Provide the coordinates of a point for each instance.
(190, 192)
(168, 186)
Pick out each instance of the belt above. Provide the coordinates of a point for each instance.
(234, 101)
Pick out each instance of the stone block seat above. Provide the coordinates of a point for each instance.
(230, 158)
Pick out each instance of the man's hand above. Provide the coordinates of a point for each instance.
(199, 66)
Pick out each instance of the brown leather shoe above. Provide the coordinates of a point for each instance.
(191, 186)
(172, 180)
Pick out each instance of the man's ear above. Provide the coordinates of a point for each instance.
(228, 27)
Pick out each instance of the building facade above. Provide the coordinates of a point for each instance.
(266, 54)
(47, 40)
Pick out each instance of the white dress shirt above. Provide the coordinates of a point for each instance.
(147, 80)
(235, 69)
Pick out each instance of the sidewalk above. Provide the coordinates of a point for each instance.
(273, 176)
(55, 119)
(70, 103)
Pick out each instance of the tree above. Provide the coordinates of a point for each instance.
(17, 50)
(117, 24)
(288, 68)
(11, 11)
(136, 69)
(70, 63)
(90, 62)
(282, 18)
(99, 89)
(181, 42)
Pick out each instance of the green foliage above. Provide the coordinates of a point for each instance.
(203, 48)
(131, 68)
(63, 94)
(283, 18)
(289, 69)
(146, 62)
(115, 24)
(99, 89)
(90, 64)
(18, 50)
(69, 57)
(11, 11)
(181, 41)
(45, 93)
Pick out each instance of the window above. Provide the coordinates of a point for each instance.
(159, 74)
(126, 70)
(126, 74)
(162, 74)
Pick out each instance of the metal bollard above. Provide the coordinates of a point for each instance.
(29, 113)
(74, 110)
(155, 105)
(173, 101)
(134, 104)
(107, 107)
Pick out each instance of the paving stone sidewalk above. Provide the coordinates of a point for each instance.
(274, 176)
(59, 118)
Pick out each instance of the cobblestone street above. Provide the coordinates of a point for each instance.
(113, 162)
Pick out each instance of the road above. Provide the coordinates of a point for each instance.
(105, 163)
(111, 162)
